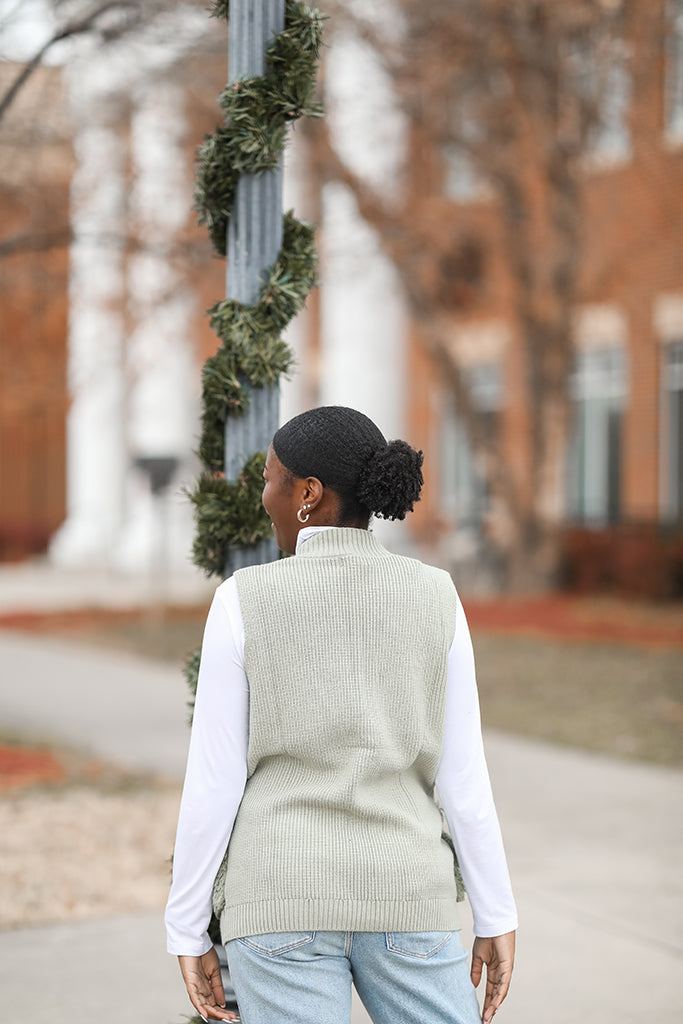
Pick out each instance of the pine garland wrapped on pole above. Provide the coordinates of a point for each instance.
(271, 267)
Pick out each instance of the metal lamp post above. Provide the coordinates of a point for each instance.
(254, 241)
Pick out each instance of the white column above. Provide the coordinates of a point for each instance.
(301, 193)
(362, 313)
(363, 321)
(95, 454)
(160, 363)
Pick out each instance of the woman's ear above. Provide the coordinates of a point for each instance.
(313, 493)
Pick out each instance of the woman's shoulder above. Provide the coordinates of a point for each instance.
(226, 592)
(265, 574)
(440, 577)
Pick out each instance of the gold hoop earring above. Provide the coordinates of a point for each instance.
(303, 519)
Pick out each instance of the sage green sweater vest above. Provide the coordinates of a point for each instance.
(346, 649)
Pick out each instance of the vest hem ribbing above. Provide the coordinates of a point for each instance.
(258, 918)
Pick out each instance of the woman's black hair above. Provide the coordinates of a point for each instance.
(348, 453)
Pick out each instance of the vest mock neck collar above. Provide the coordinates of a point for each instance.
(342, 540)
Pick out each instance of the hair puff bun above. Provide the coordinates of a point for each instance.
(391, 480)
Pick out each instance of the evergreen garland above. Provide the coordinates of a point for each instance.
(220, 9)
(252, 353)
(228, 514)
(191, 673)
(257, 112)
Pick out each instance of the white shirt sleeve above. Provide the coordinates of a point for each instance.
(465, 792)
(215, 777)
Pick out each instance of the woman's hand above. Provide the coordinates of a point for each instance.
(498, 954)
(202, 977)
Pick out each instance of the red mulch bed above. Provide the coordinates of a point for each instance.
(581, 619)
(86, 618)
(24, 766)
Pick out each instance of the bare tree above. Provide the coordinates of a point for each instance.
(34, 116)
(105, 21)
(515, 92)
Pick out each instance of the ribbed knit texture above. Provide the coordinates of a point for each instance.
(346, 649)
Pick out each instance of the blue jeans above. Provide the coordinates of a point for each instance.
(305, 977)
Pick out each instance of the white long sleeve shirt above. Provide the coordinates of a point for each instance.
(217, 772)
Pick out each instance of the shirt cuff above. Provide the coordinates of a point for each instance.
(179, 946)
(493, 928)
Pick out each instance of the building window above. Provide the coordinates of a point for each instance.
(612, 139)
(673, 115)
(464, 493)
(598, 389)
(672, 431)
(603, 81)
(461, 183)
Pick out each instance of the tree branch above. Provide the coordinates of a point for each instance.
(79, 26)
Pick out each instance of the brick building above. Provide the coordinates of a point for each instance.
(35, 175)
(624, 463)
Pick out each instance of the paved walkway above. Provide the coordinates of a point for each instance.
(38, 586)
(595, 849)
(121, 707)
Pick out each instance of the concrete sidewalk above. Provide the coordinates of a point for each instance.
(36, 585)
(118, 706)
(595, 848)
